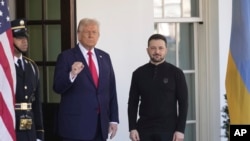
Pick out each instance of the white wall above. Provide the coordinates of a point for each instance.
(225, 15)
(125, 27)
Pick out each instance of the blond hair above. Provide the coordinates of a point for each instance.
(86, 22)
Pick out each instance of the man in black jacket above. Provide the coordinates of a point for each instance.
(160, 90)
(29, 124)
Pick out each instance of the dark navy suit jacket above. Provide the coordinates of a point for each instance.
(80, 100)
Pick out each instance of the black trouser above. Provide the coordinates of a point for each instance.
(155, 136)
(25, 135)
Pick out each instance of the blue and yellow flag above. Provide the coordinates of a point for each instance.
(238, 67)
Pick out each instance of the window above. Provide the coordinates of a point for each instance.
(51, 27)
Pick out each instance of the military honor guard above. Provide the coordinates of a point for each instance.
(29, 118)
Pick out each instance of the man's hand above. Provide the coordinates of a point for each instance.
(112, 129)
(134, 135)
(178, 136)
(76, 68)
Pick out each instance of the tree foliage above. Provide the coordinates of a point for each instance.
(226, 120)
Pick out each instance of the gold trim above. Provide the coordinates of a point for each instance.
(17, 27)
(23, 106)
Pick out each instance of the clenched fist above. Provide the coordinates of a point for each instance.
(76, 68)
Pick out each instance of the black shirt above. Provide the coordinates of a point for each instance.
(157, 89)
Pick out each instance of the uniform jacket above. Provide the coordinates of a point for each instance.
(27, 91)
(80, 100)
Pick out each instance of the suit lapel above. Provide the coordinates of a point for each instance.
(79, 57)
(99, 58)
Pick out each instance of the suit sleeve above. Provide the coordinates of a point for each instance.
(114, 115)
(61, 75)
(37, 106)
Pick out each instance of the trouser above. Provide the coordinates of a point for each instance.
(98, 136)
(29, 135)
(155, 136)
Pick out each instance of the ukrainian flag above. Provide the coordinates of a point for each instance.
(238, 67)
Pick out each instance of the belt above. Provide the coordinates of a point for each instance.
(23, 106)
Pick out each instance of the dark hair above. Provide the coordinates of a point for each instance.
(157, 37)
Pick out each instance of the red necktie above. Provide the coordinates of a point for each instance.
(92, 69)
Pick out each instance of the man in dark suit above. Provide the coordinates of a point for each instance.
(85, 79)
(29, 121)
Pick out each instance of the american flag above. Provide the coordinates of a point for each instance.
(7, 76)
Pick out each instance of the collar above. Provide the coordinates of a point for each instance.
(161, 64)
(16, 58)
(85, 51)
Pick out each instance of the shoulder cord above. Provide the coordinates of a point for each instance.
(36, 73)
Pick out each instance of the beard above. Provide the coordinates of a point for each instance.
(156, 58)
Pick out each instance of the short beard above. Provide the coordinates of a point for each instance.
(157, 61)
